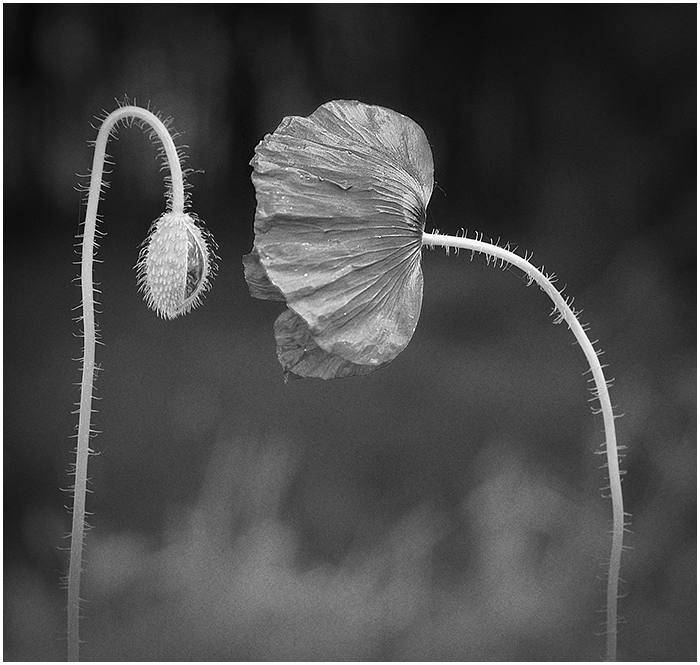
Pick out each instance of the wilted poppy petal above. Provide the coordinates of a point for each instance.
(259, 284)
(341, 198)
(301, 357)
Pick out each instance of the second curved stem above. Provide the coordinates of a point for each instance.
(601, 393)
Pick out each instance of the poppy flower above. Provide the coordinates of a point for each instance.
(341, 205)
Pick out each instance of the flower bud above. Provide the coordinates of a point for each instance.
(175, 265)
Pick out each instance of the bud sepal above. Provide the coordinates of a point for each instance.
(175, 265)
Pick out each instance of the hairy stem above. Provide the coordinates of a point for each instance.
(177, 202)
(601, 393)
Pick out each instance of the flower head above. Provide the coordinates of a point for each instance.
(175, 265)
(341, 204)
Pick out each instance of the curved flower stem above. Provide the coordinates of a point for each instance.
(601, 393)
(176, 198)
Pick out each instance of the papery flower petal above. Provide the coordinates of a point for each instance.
(301, 357)
(342, 197)
(259, 284)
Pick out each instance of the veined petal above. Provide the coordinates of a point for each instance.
(259, 284)
(342, 197)
(301, 357)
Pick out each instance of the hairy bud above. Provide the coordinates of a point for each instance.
(175, 265)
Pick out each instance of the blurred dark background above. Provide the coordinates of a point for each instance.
(447, 507)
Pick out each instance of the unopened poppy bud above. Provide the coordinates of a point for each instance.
(175, 265)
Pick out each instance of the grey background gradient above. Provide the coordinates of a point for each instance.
(447, 507)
